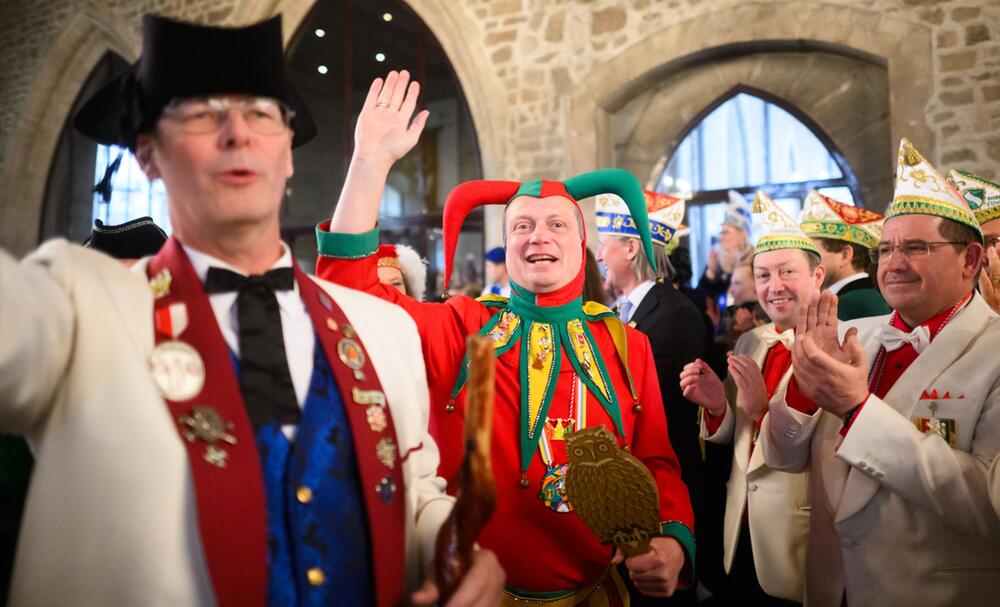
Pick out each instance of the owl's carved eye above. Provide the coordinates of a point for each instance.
(602, 448)
(578, 452)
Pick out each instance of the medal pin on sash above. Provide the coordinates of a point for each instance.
(177, 368)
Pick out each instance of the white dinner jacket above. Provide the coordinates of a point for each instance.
(778, 502)
(901, 517)
(110, 517)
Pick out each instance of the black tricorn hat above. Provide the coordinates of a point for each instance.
(182, 60)
(130, 240)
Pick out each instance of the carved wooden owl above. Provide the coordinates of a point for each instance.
(612, 491)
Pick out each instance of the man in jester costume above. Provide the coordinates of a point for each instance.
(562, 364)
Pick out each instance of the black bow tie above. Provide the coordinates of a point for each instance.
(265, 381)
(219, 280)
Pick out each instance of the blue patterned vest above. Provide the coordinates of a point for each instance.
(318, 549)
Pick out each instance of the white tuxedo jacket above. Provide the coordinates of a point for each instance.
(901, 517)
(110, 517)
(778, 502)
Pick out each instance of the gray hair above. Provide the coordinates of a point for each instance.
(640, 265)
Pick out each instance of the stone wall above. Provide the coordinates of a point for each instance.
(543, 77)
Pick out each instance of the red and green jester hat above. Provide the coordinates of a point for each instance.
(562, 364)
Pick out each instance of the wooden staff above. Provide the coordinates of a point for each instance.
(476, 496)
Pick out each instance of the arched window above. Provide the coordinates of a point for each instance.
(749, 141)
(132, 195)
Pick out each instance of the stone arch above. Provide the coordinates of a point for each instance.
(842, 98)
(70, 60)
(904, 48)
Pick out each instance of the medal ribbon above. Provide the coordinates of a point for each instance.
(579, 423)
(229, 497)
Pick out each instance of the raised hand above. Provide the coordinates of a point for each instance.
(752, 392)
(703, 387)
(834, 384)
(818, 321)
(386, 129)
(383, 135)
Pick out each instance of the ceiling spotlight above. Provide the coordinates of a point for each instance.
(322, 69)
(387, 17)
(380, 57)
(320, 33)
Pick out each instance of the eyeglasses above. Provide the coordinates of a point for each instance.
(204, 115)
(992, 241)
(909, 250)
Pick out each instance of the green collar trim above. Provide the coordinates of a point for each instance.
(522, 303)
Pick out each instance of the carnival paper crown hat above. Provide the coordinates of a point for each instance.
(778, 231)
(182, 60)
(922, 190)
(682, 230)
(824, 217)
(982, 195)
(472, 194)
(665, 216)
(738, 212)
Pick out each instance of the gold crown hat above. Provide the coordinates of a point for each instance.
(666, 214)
(922, 190)
(778, 230)
(982, 195)
(824, 217)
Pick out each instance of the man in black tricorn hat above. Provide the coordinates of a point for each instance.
(213, 426)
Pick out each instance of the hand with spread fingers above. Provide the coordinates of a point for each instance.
(385, 132)
(655, 573)
(989, 280)
(831, 374)
(482, 585)
(386, 128)
(703, 387)
(751, 394)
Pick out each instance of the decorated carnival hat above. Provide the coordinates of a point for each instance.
(982, 195)
(471, 194)
(778, 230)
(922, 190)
(410, 265)
(824, 217)
(182, 60)
(665, 214)
(738, 212)
(682, 231)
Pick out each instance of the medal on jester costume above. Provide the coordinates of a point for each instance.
(544, 326)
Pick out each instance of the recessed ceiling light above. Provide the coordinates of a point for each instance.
(380, 57)
(322, 69)
(387, 17)
(320, 32)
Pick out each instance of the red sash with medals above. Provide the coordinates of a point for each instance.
(192, 367)
(375, 446)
